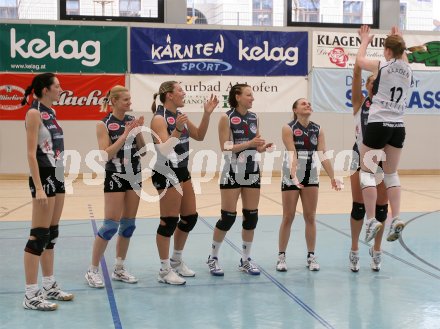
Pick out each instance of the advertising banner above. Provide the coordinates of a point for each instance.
(272, 94)
(339, 49)
(331, 91)
(63, 48)
(81, 98)
(218, 52)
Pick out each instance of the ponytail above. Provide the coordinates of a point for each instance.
(27, 92)
(105, 102)
(153, 106)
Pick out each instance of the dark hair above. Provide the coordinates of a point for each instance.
(39, 82)
(165, 87)
(235, 90)
(396, 44)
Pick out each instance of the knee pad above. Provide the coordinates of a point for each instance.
(167, 230)
(37, 246)
(358, 211)
(226, 221)
(367, 179)
(127, 227)
(53, 236)
(108, 229)
(187, 223)
(391, 180)
(382, 212)
(250, 219)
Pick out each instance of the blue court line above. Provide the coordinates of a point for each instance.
(412, 252)
(107, 281)
(283, 288)
(384, 252)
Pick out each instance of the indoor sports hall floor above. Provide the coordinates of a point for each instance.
(404, 294)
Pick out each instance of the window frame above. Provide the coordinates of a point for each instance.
(374, 24)
(159, 19)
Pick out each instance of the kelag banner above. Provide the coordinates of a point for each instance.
(81, 98)
(339, 49)
(331, 91)
(218, 52)
(272, 94)
(63, 48)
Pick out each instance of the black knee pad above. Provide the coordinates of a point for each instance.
(382, 212)
(167, 230)
(358, 211)
(37, 246)
(187, 223)
(250, 219)
(225, 223)
(53, 236)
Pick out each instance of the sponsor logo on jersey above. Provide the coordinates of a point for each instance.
(314, 140)
(253, 128)
(113, 126)
(298, 132)
(171, 120)
(238, 131)
(10, 97)
(45, 116)
(338, 57)
(235, 120)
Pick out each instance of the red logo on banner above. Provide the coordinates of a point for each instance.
(113, 126)
(81, 98)
(235, 120)
(337, 56)
(10, 97)
(171, 120)
(298, 132)
(45, 116)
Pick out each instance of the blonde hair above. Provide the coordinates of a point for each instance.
(165, 87)
(115, 93)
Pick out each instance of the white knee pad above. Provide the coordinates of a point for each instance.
(391, 180)
(367, 179)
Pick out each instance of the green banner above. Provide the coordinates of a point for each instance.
(63, 48)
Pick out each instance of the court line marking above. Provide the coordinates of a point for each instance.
(412, 253)
(434, 275)
(108, 283)
(4, 214)
(292, 296)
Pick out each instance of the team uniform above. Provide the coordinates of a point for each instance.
(390, 90)
(306, 144)
(360, 122)
(171, 169)
(49, 152)
(121, 172)
(241, 169)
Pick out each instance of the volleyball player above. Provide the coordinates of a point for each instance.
(45, 145)
(171, 178)
(302, 138)
(361, 106)
(240, 140)
(122, 183)
(385, 131)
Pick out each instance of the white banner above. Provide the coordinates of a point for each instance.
(338, 50)
(331, 91)
(272, 94)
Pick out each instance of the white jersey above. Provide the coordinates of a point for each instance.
(391, 89)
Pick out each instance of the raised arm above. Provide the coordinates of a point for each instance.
(356, 89)
(199, 133)
(361, 60)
